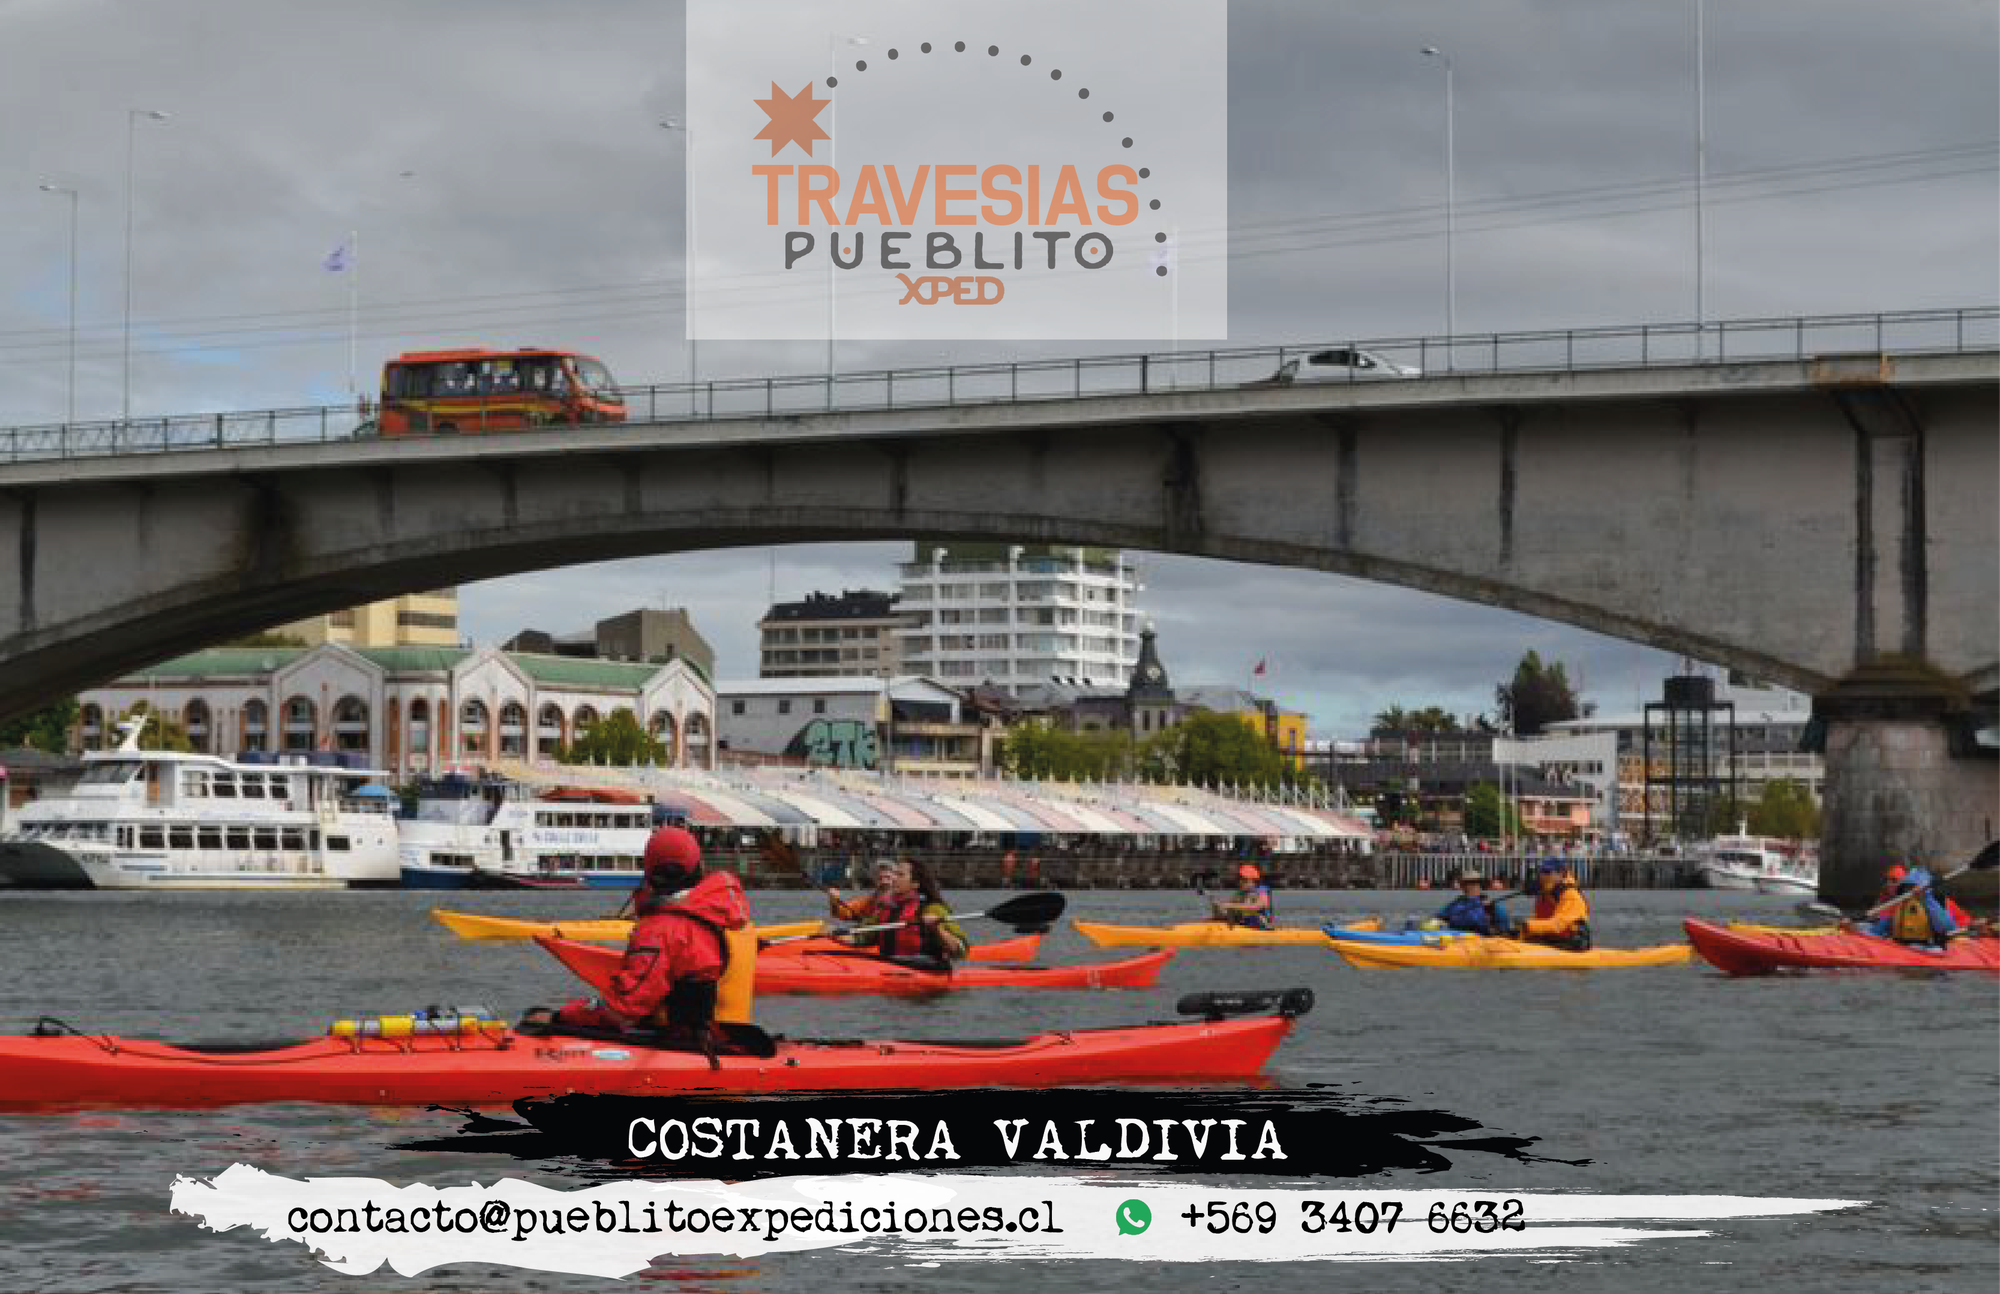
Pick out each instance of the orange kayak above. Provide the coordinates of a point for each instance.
(859, 973)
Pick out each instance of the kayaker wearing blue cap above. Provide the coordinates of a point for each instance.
(1562, 918)
(1472, 911)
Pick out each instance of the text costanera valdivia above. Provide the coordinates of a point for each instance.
(906, 1140)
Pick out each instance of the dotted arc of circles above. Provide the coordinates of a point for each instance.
(1055, 74)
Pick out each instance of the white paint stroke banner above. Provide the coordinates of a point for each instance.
(358, 1224)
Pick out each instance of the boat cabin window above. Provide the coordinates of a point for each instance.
(194, 782)
(223, 786)
(294, 838)
(266, 838)
(337, 843)
(152, 838)
(111, 773)
(210, 837)
(125, 837)
(239, 837)
(180, 837)
(253, 786)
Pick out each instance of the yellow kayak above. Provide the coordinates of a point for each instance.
(468, 925)
(1206, 934)
(1753, 928)
(1509, 954)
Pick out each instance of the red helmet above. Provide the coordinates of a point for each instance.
(673, 858)
(1896, 872)
(1249, 872)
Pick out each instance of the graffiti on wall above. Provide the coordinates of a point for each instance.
(837, 743)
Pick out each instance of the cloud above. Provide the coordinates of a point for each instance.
(545, 207)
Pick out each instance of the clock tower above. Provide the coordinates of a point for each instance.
(1149, 697)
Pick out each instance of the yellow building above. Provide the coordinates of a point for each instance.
(413, 620)
(1284, 729)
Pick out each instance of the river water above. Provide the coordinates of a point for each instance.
(1670, 1080)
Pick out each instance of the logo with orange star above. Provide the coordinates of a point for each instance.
(792, 118)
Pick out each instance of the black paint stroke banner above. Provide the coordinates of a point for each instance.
(1298, 1133)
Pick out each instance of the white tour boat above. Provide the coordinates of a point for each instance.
(1762, 863)
(159, 820)
(493, 832)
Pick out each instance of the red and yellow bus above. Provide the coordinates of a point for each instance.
(443, 391)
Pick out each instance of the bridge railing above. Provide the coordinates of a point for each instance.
(1910, 332)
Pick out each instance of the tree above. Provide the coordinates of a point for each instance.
(616, 740)
(1432, 718)
(1038, 751)
(45, 729)
(1487, 816)
(1218, 749)
(1538, 696)
(1784, 809)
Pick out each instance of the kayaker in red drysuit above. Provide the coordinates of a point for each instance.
(676, 955)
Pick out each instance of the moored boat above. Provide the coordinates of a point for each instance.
(169, 820)
(466, 833)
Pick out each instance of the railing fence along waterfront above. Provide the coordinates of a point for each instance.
(1909, 332)
(958, 869)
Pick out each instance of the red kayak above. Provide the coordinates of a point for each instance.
(500, 1067)
(853, 972)
(1740, 952)
(1019, 949)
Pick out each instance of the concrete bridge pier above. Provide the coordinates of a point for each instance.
(1905, 783)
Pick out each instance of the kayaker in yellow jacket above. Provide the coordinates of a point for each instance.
(1562, 917)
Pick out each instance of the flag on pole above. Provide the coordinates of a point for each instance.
(338, 259)
(1259, 671)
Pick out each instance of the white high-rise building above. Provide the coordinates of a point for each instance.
(1015, 616)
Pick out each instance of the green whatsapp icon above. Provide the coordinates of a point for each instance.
(1134, 1217)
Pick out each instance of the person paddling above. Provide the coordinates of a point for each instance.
(1562, 916)
(865, 909)
(678, 973)
(1251, 908)
(1921, 917)
(927, 932)
(1472, 910)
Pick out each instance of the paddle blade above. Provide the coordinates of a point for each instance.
(1041, 908)
(1218, 1006)
(1986, 858)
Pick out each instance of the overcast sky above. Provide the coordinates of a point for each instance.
(1851, 163)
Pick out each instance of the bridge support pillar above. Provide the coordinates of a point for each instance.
(1905, 782)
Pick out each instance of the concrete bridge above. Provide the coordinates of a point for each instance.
(1828, 523)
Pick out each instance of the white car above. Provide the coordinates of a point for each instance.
(1341, 364)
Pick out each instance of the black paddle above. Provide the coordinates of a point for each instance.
(1217, 1006)
(1023, 911)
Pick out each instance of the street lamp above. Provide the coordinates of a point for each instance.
(1450, 189)
(833, 44)
(687, 252)
(71, 195)
(132, 118)
(1700, 172)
